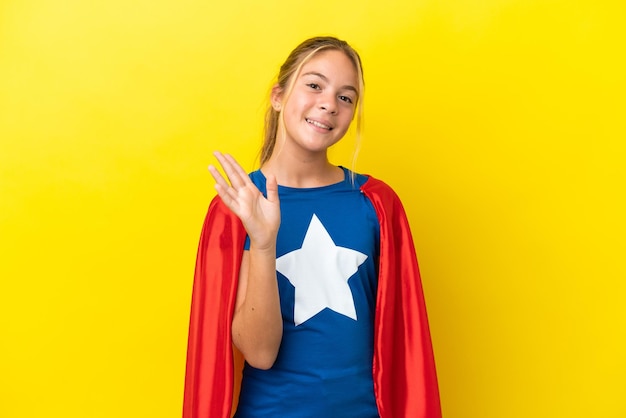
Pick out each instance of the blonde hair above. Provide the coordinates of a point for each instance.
(287, 76)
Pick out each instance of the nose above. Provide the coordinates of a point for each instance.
(328, 104)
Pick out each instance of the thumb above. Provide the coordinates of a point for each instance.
(271, 186)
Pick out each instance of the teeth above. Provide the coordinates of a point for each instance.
(319, 125)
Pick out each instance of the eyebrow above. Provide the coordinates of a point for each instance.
(323, 77)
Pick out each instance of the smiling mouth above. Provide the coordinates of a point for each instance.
(319, 125)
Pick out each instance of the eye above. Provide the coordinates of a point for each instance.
(346, 99)
(314, 86)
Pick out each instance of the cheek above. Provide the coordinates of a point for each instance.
(294, 107)
(349, 118)
(342, 131)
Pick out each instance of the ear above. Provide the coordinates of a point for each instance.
(276, 98)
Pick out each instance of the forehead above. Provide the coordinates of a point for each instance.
(334, 65)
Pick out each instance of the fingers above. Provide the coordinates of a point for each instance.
(235, 173)
(272, 188)
(236, 189)
(217, 176)
(260, 215)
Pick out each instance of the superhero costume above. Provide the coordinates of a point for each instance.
(405, 382)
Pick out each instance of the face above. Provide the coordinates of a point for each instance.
(321, 106)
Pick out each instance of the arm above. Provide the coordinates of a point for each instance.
(257, 322)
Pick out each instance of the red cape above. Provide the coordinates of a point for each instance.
(405, 381)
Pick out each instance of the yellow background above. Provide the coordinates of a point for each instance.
(500, 123)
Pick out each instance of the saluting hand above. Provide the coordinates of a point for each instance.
(260, 216)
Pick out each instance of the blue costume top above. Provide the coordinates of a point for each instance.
(327, 257)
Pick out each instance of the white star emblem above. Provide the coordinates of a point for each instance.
(319, 271)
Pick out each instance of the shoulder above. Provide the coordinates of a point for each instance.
(222, 229)
(384, 198)
(218, 206)
(219, 212)
(258, 178)
(369, 184)
(377, 187)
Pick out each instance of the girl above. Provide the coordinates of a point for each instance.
(308, 270)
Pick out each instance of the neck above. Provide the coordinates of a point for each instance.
(303, 173)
